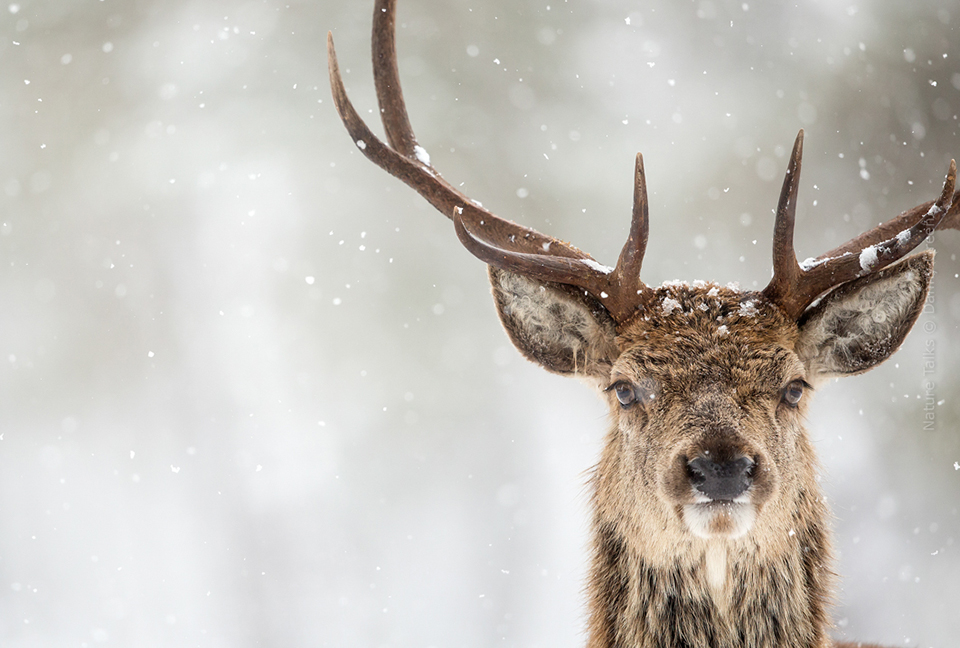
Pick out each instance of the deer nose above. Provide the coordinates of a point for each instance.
(721, 480)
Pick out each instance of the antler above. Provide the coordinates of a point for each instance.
(619, 289)
(509, 246)
(492, 239)
(795, 286)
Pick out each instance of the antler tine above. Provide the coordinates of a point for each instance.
(620, 290)
(410, 170)
(786, 271)
(626, 276)
(795, 286)
(386, 78)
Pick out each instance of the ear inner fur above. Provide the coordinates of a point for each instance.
(863, 322)
(559, 329)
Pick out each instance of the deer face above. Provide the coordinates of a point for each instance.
(707, 396)
(707, 388)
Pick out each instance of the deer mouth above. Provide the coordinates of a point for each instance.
(709, 518)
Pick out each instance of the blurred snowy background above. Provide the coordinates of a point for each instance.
(253, 392)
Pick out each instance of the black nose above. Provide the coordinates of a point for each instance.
(721, 481)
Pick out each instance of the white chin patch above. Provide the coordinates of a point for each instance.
(719, 519)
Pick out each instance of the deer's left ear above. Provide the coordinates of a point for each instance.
(559, 330)
(863, 322)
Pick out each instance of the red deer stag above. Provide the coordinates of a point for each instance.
(709, 526)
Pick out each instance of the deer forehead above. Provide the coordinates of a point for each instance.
(703, 335)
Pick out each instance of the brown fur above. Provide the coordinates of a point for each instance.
(711, 365)
(717, 386)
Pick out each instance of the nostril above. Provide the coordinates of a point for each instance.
(721, 481)
(696, 471)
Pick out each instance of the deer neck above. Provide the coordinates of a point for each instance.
(715, 593)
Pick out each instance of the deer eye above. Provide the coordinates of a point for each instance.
(793, 392)
(626, 393)
(629, 393)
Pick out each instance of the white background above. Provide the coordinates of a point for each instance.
(252, 391)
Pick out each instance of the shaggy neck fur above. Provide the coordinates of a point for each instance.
(717, 593)
(761, 603)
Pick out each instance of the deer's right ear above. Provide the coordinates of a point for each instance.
(558, 330)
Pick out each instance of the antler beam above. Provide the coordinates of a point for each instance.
(795, 286)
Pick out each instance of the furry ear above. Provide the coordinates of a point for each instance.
(559, 329)
(863, 322)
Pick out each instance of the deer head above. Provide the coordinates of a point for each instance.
(709, 525)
